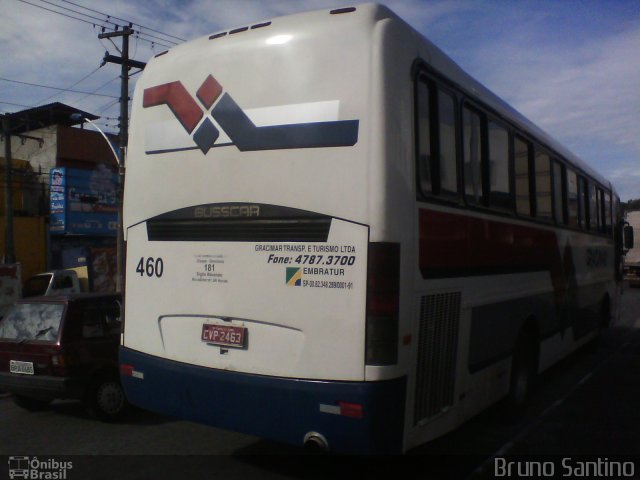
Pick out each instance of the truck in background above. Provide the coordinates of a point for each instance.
(57, 282)
(632, 257)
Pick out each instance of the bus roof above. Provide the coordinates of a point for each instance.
(364, 17)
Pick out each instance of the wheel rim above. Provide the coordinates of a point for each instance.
(110, 398)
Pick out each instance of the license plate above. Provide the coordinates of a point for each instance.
(24, 368)
(224, 335)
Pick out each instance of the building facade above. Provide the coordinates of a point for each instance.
(50, 139)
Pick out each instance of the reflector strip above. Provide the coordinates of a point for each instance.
(128, 371)
(353, 410)
(332, 409)
(345, 409)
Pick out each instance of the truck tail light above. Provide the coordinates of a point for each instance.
(383, 302)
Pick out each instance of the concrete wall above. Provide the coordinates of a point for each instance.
(30, 243)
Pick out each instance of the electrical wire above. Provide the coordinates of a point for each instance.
(122, 20)
(99, 88)
(79, 13)
(41, 102)
(99, 23)
(55, 88)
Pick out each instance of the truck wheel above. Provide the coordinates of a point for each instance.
(106, 399)
(30, 403)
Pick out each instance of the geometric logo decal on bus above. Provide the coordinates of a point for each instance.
(294, 276)
(243, 133)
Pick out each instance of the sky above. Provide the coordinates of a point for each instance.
(570, 66)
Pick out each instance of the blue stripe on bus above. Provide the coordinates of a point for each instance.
(495, 327)
(281, 409)
(248, 137)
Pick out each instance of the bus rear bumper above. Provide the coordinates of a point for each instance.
(354, 417)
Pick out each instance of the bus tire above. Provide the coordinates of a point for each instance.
(605, 313)
(603, 322)
(523, 375)
(106, 399)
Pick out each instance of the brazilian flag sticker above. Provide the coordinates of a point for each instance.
(294, 276)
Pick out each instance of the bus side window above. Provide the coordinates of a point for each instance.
(600, 204)
(436, 140)
(595, 208)
(447, 143)
(521, 170)
(572, 197)
(500, 191)
(559, 193)
(543, 186)
(472, 152)
(423, 134)
(583, 216)
(607, 213)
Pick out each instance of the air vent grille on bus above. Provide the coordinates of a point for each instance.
(437, 351)
(240, 230)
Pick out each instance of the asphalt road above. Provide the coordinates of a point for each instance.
(585, 408)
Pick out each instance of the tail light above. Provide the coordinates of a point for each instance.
(60, 364)
(59, 361)
(383, 302)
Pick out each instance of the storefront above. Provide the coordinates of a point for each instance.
(83, 223)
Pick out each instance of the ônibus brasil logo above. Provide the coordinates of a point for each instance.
(197, 119)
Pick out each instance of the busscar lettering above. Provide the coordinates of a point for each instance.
(232, 211)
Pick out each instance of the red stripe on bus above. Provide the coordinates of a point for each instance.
(176, 97)
(457, 244)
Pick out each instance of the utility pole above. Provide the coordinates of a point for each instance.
(126, 63)
(9, 249)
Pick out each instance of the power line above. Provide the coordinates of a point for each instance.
(122, 20)
(69, 88)
(108, 106)
(99, 88)
(98, 22)
(59, 13)
(56, 88)
(79, 13)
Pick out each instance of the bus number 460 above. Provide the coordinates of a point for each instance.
(151, 267)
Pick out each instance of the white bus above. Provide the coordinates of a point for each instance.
(336, 237)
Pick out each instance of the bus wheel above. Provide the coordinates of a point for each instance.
(30, 403)
(523, 375)
(106, 399)
(605, 313)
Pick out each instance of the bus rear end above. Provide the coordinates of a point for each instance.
(254, 298)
